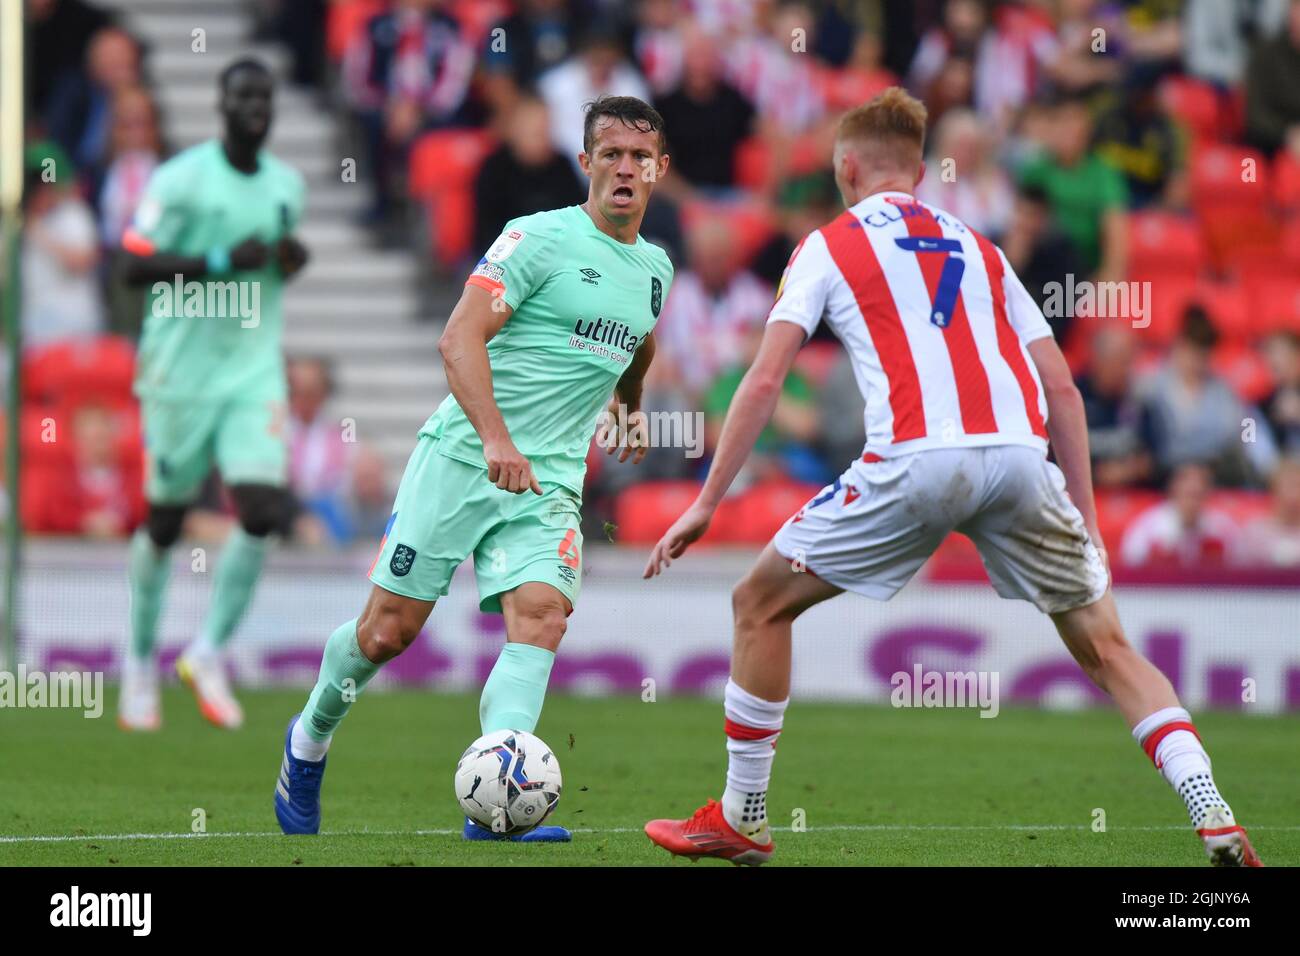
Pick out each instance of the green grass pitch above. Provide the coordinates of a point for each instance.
(875, 786)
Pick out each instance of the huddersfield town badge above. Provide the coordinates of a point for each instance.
(403, 558)
(656, 295)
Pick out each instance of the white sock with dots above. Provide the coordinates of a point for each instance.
(752, 727)
(1171, 742)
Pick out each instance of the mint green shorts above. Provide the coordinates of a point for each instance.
(243, 437)
(447, 510)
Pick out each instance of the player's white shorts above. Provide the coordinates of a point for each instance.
(876, 525)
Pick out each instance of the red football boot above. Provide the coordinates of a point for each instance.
(1225, 842)
(707, 833)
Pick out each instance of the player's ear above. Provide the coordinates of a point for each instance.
(584, 161)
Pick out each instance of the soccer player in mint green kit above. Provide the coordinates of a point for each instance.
(555, 321)
(211, 241)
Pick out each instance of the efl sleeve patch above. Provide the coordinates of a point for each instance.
(504, 246)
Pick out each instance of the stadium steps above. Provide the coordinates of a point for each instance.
(356, 305)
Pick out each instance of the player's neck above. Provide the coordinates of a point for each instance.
(890, 185)
(241, 155)
(624, 232)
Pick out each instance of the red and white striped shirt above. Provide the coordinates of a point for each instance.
(934, 319)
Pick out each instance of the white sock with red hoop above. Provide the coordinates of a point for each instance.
(1172, 743)
(752, 727)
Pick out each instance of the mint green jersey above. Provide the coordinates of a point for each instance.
(582, 303)
(218, 337)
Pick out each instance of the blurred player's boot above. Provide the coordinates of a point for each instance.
(138, 706)
(543, 834)
(297, 790)
(707, 833)
(206, 676)
(1225, 842)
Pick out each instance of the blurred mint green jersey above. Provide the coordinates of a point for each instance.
(582, 302)
(219, 337)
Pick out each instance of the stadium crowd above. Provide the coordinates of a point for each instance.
(1138, 160)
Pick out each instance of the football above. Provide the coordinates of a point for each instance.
(508, 781)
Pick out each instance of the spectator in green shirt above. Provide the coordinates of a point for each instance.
(785, 446)
(1088, 197)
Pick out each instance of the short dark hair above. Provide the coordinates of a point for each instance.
(633, 113)
(243, 63)
(1198, 328)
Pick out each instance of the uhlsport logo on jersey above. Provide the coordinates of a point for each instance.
(403, 558)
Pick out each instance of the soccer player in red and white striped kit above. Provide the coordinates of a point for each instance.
(964, 386)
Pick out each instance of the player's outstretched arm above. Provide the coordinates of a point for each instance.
(478, 316)
(145, 265)
(1067, 426)
(750, 411)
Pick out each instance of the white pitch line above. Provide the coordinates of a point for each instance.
(842, 828)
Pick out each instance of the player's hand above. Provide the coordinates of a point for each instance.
(291, 255)
(508, 469)
(1095, 534)
(249, 254)
(686, 530)
(632, 441)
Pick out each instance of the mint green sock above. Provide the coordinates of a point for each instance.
(149, 569)
(514, 691)
(344, 671)
(238, 569)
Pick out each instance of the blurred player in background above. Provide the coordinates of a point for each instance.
(555, 320)
(961, 378)
(212, 239)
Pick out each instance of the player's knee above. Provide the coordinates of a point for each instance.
(385, 632)
(542, 623)
(754, 603)
(163, 524)
(261, 508)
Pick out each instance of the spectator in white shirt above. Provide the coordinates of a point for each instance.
(1183, 531)
(599, 69)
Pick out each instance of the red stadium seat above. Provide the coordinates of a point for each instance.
(101, 369)
(1242, 367)
(345, 21)
(645, 511)
(1194, 104)
(442, 170)
(1161, 243)
(1230, 194)
(1116, 509)
(1286, 181)
(765, 507)
(1275, 304)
